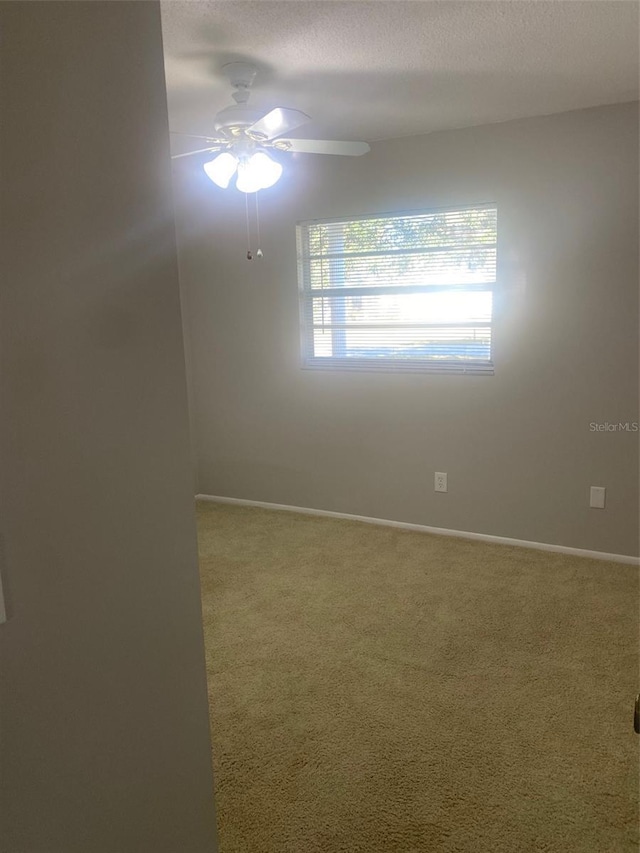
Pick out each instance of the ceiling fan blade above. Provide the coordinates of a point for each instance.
(194, 135)
(197, 151)
(278, 121)
(326, 146)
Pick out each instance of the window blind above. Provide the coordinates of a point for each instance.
(399, 292)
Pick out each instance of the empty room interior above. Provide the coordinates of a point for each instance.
(320, 433)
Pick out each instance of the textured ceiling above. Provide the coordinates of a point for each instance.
(377, 70)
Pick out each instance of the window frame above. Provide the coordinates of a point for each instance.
(306, 296)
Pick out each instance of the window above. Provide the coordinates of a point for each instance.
(399, 292)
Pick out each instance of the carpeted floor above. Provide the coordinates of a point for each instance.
(385, 691)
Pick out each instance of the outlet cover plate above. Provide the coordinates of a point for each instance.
(440, 482)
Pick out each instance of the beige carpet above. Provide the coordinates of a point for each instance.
(385, 691)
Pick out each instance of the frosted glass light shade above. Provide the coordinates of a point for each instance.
(269, 170)
(221, 169)
(258, 173)
(247, 181)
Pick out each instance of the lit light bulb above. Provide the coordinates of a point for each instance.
(247, 180)
(269, 170)
(258, 173)
(221, 169)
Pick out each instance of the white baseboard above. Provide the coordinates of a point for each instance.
(423, 528)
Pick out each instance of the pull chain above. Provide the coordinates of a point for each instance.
(259, 252)
(246, 210)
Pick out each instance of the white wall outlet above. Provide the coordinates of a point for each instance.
(596, 498)
(440, 482)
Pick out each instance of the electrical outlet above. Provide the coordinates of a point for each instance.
(440, 482)
(596, 497)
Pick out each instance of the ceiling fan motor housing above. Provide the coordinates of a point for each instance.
(236, 116)
(239, 115)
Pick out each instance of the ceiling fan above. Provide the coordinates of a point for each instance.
(246, 135)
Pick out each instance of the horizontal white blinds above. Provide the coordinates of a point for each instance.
(409, 291)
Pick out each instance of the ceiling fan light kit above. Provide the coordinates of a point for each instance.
(245, 136)
(259, 172)
(256, 170)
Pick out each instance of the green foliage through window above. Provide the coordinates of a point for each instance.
(411, 291)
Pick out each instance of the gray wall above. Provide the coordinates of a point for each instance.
(517, 446)
(105, 739)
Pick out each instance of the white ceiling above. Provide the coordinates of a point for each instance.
(388, 68)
